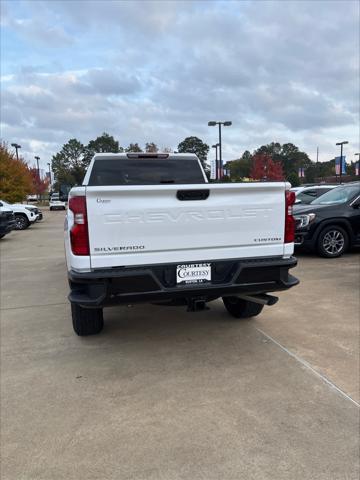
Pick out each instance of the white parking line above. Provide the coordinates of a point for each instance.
(25, 259)
(307, 365)
(34, 306)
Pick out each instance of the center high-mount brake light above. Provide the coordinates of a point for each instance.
(147, 155)
(79, 235)
(289, 219)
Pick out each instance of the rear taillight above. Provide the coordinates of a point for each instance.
(79, 236)
(289, 219)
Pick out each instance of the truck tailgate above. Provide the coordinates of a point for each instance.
(149, 224)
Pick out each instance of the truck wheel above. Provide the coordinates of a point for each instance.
(333, 241)
(239, 308)
(86, 321)
(21, 222)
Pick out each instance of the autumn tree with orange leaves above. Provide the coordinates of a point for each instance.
(39, 186)
(15, 178)
(264, 168)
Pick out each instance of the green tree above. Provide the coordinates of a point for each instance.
(69, 165)
(151, 148)
(350, 168)
(311, 173)
(325, 169)
(197, 146)
(133, 147)
(273, 149)
(105, 143)
(292, 158)
(241, 167)
(294, 180)
(288, 154)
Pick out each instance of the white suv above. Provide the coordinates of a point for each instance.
(24, 215)
(55, 202)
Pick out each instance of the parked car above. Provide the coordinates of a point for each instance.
(24, 214)
(306, 195)
(7, 220)
(150, 228)
(56, 203)
(302, 186)
(37, 211)
(330, 225)
(32, 208)
(32, 198)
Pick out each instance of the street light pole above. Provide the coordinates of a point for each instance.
(49, 174)
(341, 155)
(220, 154)
(16, 146)
(38, 170)
(216, 160)
(225, 124)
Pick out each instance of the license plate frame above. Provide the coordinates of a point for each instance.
(193, 274)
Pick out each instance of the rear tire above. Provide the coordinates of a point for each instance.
(50, 209)
(332, 242)
(239, 308)
(21, 222)
(86, 321)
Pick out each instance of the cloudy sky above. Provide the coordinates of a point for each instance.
(284, 71)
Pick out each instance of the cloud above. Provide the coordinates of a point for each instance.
(158, 71)
(149, 17)
(39, 32)
(108, 82)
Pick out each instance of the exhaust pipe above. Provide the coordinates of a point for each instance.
(262, 298)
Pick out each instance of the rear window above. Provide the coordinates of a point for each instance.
(338, 195)
(145, 172)
(306, 197)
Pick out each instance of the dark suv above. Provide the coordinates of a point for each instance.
(7, 221)
(331, 223)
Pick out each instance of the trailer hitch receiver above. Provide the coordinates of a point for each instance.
(196, 304)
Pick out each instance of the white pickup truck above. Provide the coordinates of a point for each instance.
(149, 228)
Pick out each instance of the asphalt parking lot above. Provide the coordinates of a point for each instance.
(163, 394)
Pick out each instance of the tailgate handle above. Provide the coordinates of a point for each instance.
(192, 194)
